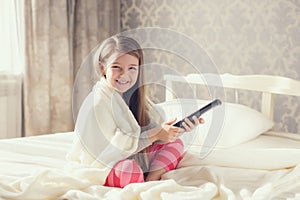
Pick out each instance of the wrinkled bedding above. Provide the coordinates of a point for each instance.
(267, 167)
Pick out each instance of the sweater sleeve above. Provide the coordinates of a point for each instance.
(113, 152)
(123, 137)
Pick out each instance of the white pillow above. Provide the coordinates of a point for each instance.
(225, 126)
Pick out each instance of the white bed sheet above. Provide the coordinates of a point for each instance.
(268, 151)
(34, 168)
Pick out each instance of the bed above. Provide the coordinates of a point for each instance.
(245, 161)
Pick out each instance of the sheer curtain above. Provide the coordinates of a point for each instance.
(11, 36)
(11, 67)
(59, 35)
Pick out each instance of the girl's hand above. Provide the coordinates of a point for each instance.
(188, 125)
(168, 133)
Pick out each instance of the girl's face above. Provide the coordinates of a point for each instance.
(122, 73)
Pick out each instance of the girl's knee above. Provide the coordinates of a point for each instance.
(125, 172)
(169, 156)
(178, 144)
(130, 166)
(179, 141)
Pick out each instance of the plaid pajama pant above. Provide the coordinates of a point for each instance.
(127, 171)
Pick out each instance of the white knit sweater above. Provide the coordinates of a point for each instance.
(106, 130)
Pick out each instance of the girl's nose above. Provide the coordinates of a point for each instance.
(123, 73)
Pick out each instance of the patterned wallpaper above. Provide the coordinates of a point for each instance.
(240, 36)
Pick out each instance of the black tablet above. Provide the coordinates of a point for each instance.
(199, 112)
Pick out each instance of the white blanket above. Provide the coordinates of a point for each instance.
(35, 168)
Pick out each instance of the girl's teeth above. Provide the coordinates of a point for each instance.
(122, 82)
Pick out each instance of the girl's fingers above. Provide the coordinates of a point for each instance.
(171, 121)
(186, 127)
(196, 120)
(191, 124)
(180, 131)
(201, 121)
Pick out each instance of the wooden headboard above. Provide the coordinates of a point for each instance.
(266, 84)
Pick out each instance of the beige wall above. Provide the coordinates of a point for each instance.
(241, 37)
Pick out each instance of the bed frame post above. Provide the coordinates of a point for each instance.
(169, 91)
(267, 105)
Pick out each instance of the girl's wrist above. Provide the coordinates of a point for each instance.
(153, 134)
(153, 138)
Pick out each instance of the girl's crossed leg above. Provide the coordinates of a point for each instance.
(123, 173)
(162, 157)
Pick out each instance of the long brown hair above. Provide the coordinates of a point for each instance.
(135, 97)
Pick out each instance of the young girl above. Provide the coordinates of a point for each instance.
(116, 127)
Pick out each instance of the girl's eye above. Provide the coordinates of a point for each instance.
(115, 67)
(133, 68)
